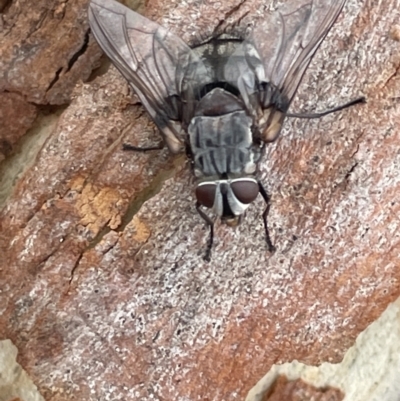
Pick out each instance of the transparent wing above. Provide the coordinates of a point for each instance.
(157, 64)
(278, 52)
(288, 41)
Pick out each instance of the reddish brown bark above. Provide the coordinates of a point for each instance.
(103, 286)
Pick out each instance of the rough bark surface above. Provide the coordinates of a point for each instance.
(16, 117)
(103, 287)
(45, 50)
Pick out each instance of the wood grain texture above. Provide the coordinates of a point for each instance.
(103, 286)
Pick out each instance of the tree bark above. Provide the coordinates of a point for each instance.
(103, 287)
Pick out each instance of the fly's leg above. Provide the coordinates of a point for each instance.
(324, 113)
(267, 198)
(126, 146)
(210, 223)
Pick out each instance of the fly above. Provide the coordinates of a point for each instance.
(221, 102)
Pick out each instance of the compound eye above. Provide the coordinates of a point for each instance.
(205, 194)
(245, 190)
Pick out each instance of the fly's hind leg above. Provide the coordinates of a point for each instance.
(267, 198)
(361, 99)
(127, 146)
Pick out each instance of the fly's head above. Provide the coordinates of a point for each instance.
(228, 198)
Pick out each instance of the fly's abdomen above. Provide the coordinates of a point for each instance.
(223, 145)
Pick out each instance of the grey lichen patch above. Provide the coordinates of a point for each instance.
(14, 382)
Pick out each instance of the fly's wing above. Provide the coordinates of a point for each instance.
(278, 52)
(156, 63)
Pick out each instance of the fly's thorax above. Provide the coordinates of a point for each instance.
(227, 198)
(223, 144)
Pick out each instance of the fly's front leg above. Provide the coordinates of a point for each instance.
(127, 146)
(210, 223)
(267, 198)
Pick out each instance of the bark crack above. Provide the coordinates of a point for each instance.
(226, 16)
(74, 267)
(80, 52)
(392, 76)
(55, 79)
(354, 164)
(135, 205)
(38, 25)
